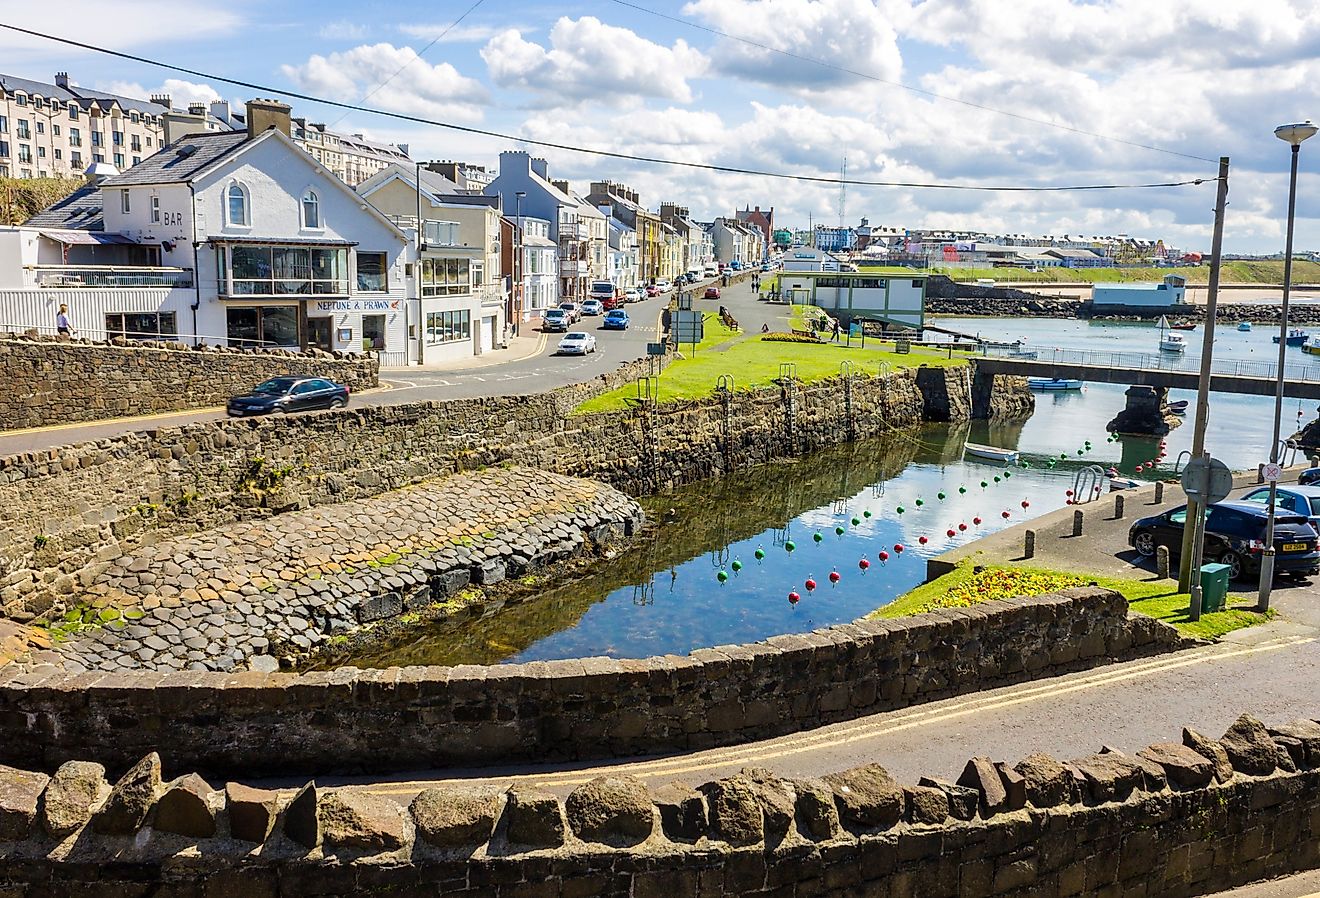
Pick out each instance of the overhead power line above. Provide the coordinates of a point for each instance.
(908, 87)
(608, 154)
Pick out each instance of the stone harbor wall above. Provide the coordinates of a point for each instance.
(247, 594)
(1179, 818)
(425, 717)
(65, 511)
(52, 381)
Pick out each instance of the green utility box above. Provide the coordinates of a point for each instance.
(1214, 587)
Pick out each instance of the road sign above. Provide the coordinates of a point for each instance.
(1207, 481)
(655, 349)
(1271, 472)
(688, 327)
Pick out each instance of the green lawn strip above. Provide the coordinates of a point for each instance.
(754, 362)
(1157, 599)
(1242, 271)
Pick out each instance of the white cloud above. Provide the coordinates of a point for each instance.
(180, 92)
(589, 60)
(450, 34)
(342, 30)
(131, 23)
(414, 86)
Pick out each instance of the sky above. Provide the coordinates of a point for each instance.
(1024, 93)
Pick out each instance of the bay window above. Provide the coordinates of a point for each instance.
(259, 270)
(446, 277)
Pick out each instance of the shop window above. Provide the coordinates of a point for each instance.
(446, 277)
(269, 326)
(448, 327)
(286, 270)
(371, 272)
(373, 332)
(142, 325)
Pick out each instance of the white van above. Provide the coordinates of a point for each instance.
(711, 271)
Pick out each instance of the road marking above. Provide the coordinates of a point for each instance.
(867, 729)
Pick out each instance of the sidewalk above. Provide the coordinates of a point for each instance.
(528, 343)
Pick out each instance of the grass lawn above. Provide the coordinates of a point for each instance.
(755, 363)
(964, 587)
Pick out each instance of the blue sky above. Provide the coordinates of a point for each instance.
(1201, 77)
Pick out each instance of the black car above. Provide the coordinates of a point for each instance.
(289, 394)
(1235, 536)
(1308, 477)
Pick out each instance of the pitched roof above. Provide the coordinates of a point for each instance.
(79, 211)
(125, 102)
(12, 84)
(181, 161)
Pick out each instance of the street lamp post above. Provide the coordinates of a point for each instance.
(1293, 135)
(522, 252)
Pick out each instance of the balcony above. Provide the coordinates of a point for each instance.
(574, 232)
(572, 268)
(57, 276)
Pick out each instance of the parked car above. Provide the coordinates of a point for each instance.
(616, 320)
(1303, 500)
(573, 310)
(1235, 536)
(614, 302)
(555, 320)
(652, 290)
(577, 343)
(634, 294)
(712, 292)
(592, 307)
(663, 284)
(1309, 476)
(289, 394)
(711, 271)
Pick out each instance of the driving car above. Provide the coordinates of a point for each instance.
(573, 310)
(616, 320)
(555, 320)
(592, 307)
(712, 292)
(289, 394)
(1303, 500)
(577, 343)
(652, 290)
(1235, 536)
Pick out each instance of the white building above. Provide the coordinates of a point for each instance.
(623, 265)
(274, 249)
(736, 241)
(848, 295)
(806, 258)
(540, 269)
(1171, 291)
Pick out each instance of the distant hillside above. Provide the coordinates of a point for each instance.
(1238, 272)
(21, 198)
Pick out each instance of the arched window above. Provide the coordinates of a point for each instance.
(311, 209)
(236, 205)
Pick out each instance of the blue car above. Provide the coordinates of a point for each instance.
(1304, 500)
(616, 320)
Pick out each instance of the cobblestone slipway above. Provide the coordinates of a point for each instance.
(234, 596)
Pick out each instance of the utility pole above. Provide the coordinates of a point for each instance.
(1195, 510)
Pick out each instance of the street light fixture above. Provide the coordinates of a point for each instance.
(1294, 135)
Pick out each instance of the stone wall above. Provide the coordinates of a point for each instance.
(65, 511)
(425, 717)
(1193, 817)
(51, 381)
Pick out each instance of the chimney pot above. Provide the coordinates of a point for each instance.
(62, 80)
(263, 114)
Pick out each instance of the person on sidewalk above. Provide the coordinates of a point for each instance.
(835, 335)
(62, 325)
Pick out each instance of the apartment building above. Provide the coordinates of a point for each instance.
(469, 178)
(352, 157)
(57, 130)
(625, 205)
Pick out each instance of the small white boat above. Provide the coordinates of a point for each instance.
(1122, 483)
(1054, 383)
(1312, 344)
(991, 452)
(1178, 405)
(1173, 343)
(1244, 326)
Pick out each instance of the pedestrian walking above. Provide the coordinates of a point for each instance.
(835, 336)
(62, 326)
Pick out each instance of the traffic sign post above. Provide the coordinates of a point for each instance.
(1204, 480)
(1271, 472)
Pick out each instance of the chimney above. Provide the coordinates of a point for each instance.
(162, 100)
(220, 109)
(541, 167)
(62, 80)
(262, 115)
(176, 124)
(197, 108)
(562, 185)
(403, 148)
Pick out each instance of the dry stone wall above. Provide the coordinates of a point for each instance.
(51, 381)
(425, 717)
(1185, 818)
(62, 512)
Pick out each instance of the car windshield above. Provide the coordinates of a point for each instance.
(275, 386)
(555, 313)
(576, 337)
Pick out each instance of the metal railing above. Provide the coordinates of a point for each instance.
(100, 333)
(105, 276)
(1134, 361)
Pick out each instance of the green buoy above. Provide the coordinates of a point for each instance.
(817, 537)
(790, 546)
(722, 576)
(759, 553)
(737, 565)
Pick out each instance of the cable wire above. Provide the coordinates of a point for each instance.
(608, 154)
(918, 90)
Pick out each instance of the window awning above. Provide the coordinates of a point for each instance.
(280, 241)
(70, 238)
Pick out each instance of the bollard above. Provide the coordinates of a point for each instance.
(1029, 544)
(1078, 517)
(1260, 473)
(1315, 461)
(1159, 492)
(1162, 562)
(1118, 506)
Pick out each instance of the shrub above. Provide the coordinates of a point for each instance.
(789, 338)
(1002, 583)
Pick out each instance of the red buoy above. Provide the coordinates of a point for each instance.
(810, 584)
(976, 521)
(1026, 504)
(1068, 493)
(948, 532)
(863, 564)
(898, 547)
(834, 577)
(793, 598)
(1004, 514)
(922, 540)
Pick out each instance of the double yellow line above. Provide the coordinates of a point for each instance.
(874, 726)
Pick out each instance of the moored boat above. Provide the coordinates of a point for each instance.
(1122, 483)
(1296, 337)
(1183, 326)
(1054, 383)
(1244, 326)
(993, 453)
(1312, 344)
(1178, 405)
(1173, 343)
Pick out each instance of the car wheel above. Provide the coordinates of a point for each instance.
(1234, 563)
(1144, 544)
(337, 403)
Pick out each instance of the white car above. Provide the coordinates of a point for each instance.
(663, 284)
(577, 343)
(593, 307)
(636, 294)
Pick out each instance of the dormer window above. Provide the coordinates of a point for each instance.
(236, 205)
(311, 210)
